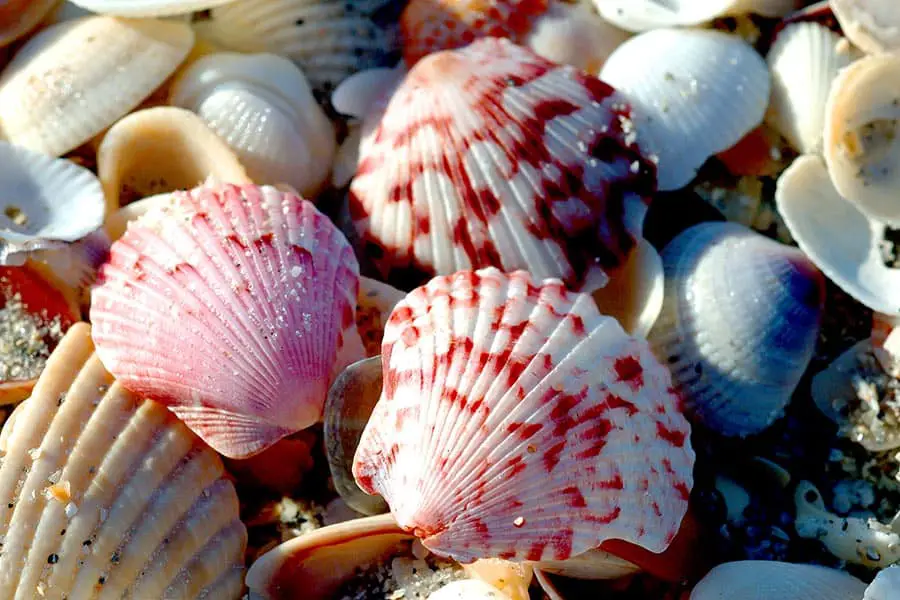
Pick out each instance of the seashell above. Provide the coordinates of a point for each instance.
(373, 309)
(256, 287)
(71, 268)
(885, 584)
(872, 25)
(685, 84)
(551, 399)
(467, 589)
(738, 325)
(641, 15)
(770, 580)
(861, 123)
(263, 108)
(61, 89)
(105, 493)
(18, 17)
(804, 60)
(495, 183)
(593, 564)
(159, 150)
(147, 8)
(634, 295)
(842, 241)
(511, 578)
(328, 39)
(367, 91)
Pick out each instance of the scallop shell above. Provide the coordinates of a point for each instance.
(262, 106)
(147, 8)
(517, 422)
(842, 241)
(641, 15)
(18, 17)
(861, 128)
(885, 584)
(74, 79)
(770, 580)
(708, 87)
(257, 289)
(873, 25)
(492, 156)
(738, 325)
(106, 494)
(804, 60)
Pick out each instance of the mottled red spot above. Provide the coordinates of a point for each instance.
(675, 438)
(604, 519)
(629, 370)
(480, 527)
(410, 336)
(574, 497)
(577, 325)
(552, 455)
(515, 465)
(683, 491)
(614, 401)
(535, 551)
(235, 240)
(524, 430)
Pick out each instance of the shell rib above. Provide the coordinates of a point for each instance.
(873, 25)
(105, 495)
(517, 422)
(255, 287)
(492, 156)
(74, 79)
(641, 15)
(738, 325)
(771, 580)
(147, 8)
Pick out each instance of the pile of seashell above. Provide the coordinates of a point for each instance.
(450, 299)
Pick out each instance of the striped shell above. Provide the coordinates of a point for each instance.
(773, 580)
(518, 422)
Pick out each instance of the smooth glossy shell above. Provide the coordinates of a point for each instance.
(492, 156)
(708, 87)
(74, 79)
(517, 422)
(873, 25)
(257, 289)
(18, 17)
(771, 580)
(641, 15)
(147, 8)
(108, 495)
(738, 325)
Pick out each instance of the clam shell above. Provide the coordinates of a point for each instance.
(74, 79)
(873, 25)
(842, 241)
(641, 15)
(492, 156)
(263, 108)
(861, 127)
(708, 87)
(257, 289)
(738, 325)
(885, 584)
(106, 495)
(770, 580)
(147, 8)
(804, 60)
(517, 422)
(18, 17)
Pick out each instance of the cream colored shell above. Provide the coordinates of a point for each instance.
(147, 8)
(873, 25)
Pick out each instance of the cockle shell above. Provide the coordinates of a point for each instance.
(74, 79)
(739, 324)
(861, 130)
(873, 25)
(804, 60)
(708, 87)
(641, 15)
(492, 156)
(773, 580)
(885, 584)
(18, 17)
(262, 106)
(520, 402)
(147, 8)
(257, 289)
(107, 495)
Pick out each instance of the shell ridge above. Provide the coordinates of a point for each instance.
(211, 424)
(225, 546)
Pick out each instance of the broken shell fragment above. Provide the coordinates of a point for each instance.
(74, 79)
(18, 17)
(873, 25)
(143, 505)
(467, 589)
(257, 289)
(147, 8)
(518, 422)
(641, 15)
(770, 580)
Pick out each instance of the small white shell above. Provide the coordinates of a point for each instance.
(836, 236)
(641, 15)
(804, 60)
(885, 585)
(862, 126)
(773, 580)
(467, 589)
(873, 25)
(147, 8)
(263, 108)
(708, 87)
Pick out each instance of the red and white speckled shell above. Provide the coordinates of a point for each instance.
(492, 156)
(518, 422)
(233, 305)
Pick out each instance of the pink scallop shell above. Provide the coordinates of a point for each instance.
(518, 422)
(493, 156)
(234, 306)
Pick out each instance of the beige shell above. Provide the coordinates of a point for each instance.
(103, 495)
(873, 25)
(74, 79)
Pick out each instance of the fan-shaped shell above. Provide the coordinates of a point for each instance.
(517, 422)
(18, 17)
(641, 15)
(147, 8)
(768, 580)
(885, 584)
(708, 87)
(738, 325)
(256, 288)
(108, 495)
(262, 106)
(873, 25)
(492, 156)
(74, 79)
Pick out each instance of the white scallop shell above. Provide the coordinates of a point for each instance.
(467, 589)
(885, 585)
(873, 25)
(773, 580)
(74, 79)
(804, 60)
(263, 108)
(147, 8)
(862, 135)
(842, 241)
(738, 325)
(106, 495)
(708, 87)
(641, 15)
